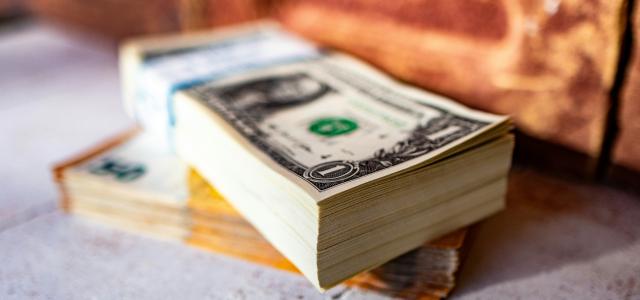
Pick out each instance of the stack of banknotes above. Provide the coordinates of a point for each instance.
(337, 166)
(131, 183)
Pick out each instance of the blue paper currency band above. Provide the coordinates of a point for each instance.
(279, 48)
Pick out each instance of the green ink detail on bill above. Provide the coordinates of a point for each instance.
(330, 127)
(119, 170)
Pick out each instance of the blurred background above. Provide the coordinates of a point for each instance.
(567, 71)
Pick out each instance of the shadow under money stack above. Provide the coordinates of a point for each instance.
(134, 183)
(337, 165)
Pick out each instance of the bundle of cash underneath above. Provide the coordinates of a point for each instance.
(134, 184)
(337, 165)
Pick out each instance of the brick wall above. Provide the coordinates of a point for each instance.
(551, 64)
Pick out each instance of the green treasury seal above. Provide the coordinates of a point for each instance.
(333, 126)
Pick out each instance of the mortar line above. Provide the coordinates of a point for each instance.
(622, 69)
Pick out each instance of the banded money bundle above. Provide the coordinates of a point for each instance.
(337, 165)
(134, 183)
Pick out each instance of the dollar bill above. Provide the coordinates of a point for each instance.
(328, 123)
